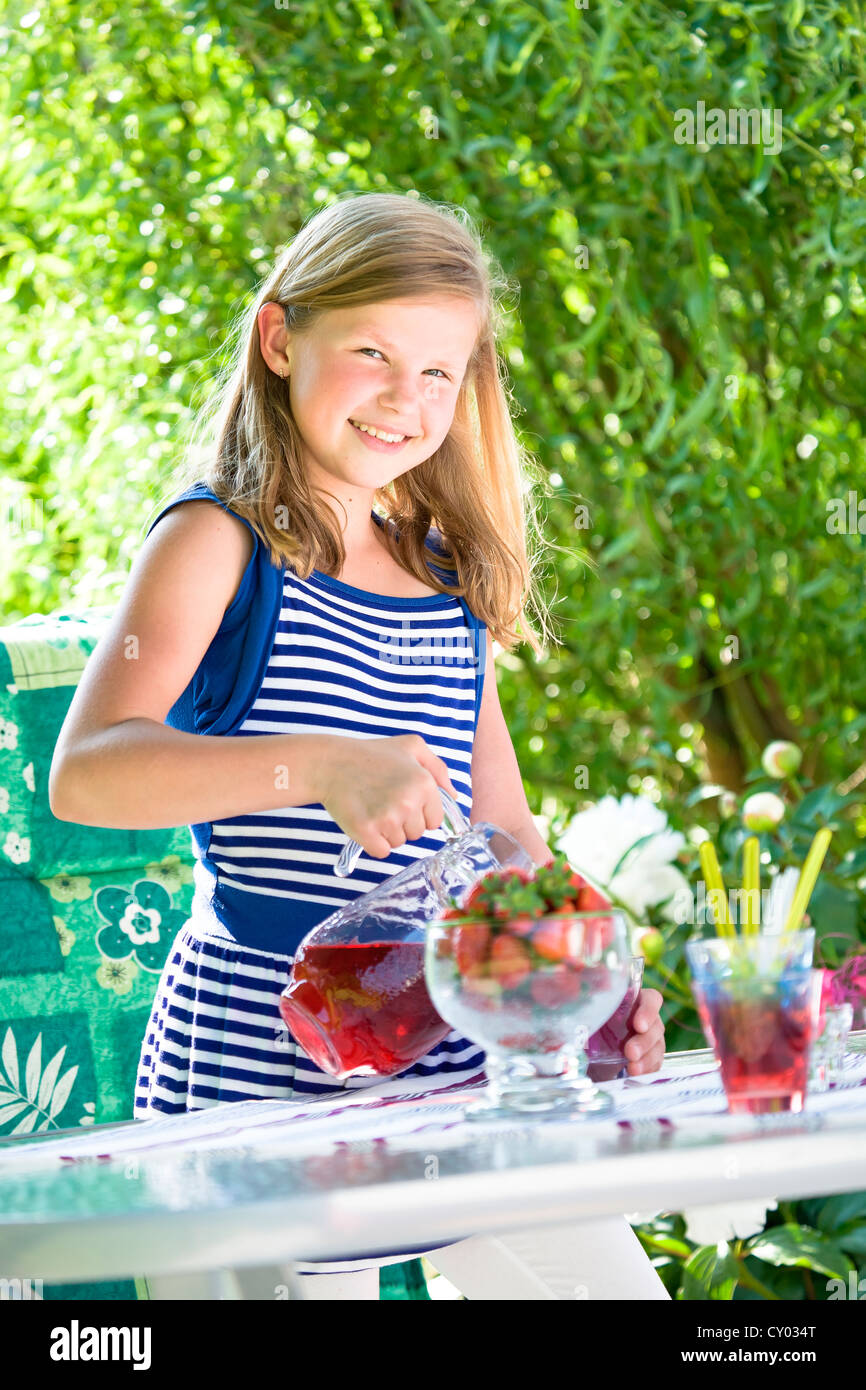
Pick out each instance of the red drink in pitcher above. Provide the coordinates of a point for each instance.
(362, 1009)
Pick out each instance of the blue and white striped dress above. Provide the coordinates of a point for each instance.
(346, 662)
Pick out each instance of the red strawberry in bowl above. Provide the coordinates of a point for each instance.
(523, 924)
(473, 902)
(522, 875)
(599, 929)
(556, 986)
(590, 899)
(521, 1042)
(576, 882)
(470, 947)
(509, 961)
(558, 938)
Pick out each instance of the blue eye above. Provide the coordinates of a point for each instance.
(429, 369)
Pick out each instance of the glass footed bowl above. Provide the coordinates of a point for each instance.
(530, 992)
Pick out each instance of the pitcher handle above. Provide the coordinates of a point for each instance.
(453, 820)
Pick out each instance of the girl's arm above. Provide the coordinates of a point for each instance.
(497, 787)
(116, 763)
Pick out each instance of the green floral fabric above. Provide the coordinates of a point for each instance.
(88, 916)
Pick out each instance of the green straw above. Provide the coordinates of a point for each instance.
(715, 883)
(752, 884)
(808, 878)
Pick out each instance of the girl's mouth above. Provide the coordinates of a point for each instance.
(382, 445)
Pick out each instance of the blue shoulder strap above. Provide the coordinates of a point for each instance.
(230, 674)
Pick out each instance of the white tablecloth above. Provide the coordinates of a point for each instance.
(361, 1119)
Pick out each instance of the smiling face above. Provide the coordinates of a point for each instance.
(396, 366)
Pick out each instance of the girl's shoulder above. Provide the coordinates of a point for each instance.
(229, 539)
(202, 492)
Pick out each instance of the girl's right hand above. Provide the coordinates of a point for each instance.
(383, 792)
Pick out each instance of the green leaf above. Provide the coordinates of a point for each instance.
(800, 1245)
(853, 1241)
(709, 1275)
(816, 586)
(622, 545)
(810, 807)
(656, 434)
(668, 1244)
(699, 409)
(839, 1210)
(853, 864)
(702, 793)
(834, 910)
(823, 102)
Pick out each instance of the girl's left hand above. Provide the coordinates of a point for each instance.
(645, 1048)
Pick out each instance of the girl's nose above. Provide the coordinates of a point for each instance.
(401, 395)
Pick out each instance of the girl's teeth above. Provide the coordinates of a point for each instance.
(388, 438)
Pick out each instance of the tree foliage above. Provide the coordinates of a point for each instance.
(686, 358)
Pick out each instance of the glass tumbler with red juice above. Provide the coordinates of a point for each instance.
(756, 991)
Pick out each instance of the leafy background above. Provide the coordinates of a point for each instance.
(692, 381)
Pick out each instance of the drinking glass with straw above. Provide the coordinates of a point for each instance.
(753, 989)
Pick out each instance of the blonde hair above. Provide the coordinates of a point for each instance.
(476, 488)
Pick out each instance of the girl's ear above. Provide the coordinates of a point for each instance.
(272, 339)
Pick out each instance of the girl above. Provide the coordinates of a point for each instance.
(274, 674)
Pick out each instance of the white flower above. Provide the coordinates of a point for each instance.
(131, 924)
(763, 811)
(17, 847)
(781, 759)
(733, 1221)
(595, 841)
(728, 805)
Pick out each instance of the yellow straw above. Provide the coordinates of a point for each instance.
(752, 884)
(808, 877)
(715, 883)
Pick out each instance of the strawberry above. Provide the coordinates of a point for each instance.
(472, 902)
(599, 930)
(598, 934)
(522, 1042)
(522, 925)
(515, 872)
(558, 939)
(590, 899)
(509, 961)
(576, 882)
(557, 986)
(485, 992)
(516, 898)
(470, 947)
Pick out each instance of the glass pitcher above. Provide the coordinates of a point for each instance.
(357, 1000)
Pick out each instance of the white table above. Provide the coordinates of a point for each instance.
(247, 1204)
